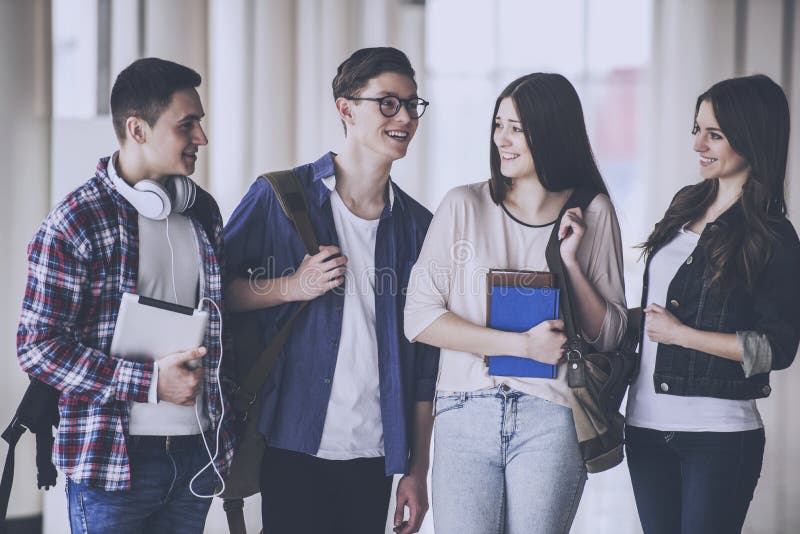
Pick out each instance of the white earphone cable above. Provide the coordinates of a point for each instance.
(219, 425)
(212, 457)
(172, 263)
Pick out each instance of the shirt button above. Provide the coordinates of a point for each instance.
(334, 342)
(674, 303)
(327, 380)
(664, 387)
(689, 260)
(766, 390)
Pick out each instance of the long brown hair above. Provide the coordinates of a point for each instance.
(552, 117)
(753, 113)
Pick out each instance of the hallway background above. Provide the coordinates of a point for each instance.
(267, 65)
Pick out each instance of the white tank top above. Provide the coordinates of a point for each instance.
(648, 409)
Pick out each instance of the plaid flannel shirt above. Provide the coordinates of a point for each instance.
(84, 256)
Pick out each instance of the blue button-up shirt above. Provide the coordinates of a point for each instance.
(260, 239)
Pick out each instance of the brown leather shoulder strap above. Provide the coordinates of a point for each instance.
(292, 199)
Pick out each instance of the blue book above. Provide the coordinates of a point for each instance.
(516, 302)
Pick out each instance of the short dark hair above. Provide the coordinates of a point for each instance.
(552, 118)
(144, 89)
(367, 63)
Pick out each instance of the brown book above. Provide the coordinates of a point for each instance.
(514, 278)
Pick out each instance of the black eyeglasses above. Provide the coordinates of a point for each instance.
(390, 105)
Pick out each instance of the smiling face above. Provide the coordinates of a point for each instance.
(171, 144)
(516, 160)
(386, 137)
(717, 158)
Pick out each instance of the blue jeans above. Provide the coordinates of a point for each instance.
(159, 499)
(693, 482)
(504, 462)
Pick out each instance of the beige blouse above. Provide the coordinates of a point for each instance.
(469, 235)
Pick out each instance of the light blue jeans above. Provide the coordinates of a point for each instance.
(504, 463)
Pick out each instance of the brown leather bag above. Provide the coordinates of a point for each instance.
(597, 380)
(254, 363)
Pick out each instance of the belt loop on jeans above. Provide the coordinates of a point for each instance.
(462, 396)
(503, 389)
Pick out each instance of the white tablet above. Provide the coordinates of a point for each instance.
(149, 329)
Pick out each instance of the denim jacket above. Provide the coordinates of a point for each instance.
(766, 321)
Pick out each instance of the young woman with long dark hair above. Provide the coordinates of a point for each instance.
(506, 457)
(720, 299)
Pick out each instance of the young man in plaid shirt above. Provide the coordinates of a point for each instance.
(130, 439)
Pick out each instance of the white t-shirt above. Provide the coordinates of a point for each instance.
(353, 427)
(649, 409)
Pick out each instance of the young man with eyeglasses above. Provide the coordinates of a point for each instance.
(349, 403)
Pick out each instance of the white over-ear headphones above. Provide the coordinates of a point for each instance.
(155, 201)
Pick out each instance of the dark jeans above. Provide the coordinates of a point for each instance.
(302, 494)
(693, 482)
(159, 499)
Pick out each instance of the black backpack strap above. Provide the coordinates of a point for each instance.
(37, 412)
(292, 199)
(234, 512)
(580, 198)
(46, 473)
(11, 435)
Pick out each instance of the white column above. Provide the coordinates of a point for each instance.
(407, 31)
(338, 38)
(124, 35)
(274, 96)
(793, 175)
(308, 139)
(177, 30)
(763, 38)
(376, 21)
(460, 63)
(229, 86)
(783, 428)
(251, 104)
(25, 108)
(693, 47)
(774, 506)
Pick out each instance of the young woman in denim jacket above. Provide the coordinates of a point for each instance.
(506, 456)
(720, 300)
